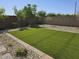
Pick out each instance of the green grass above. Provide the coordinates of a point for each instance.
(60, 45)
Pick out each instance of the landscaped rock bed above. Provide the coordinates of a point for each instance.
(13, 50)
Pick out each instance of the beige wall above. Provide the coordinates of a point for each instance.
(62, 20)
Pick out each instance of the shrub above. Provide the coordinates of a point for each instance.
(10, 44)
(21, 52)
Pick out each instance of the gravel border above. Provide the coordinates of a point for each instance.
(35, 53)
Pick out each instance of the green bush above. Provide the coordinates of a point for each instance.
(10, 44)
(21, 52)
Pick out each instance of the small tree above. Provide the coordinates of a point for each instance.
(2, 16)
(19, 14)
(28, 14)
(2, 11)
(34, 9)
(41, 15)
(51, 14)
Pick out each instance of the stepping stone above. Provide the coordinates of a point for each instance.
(7, 56)
(2, 49)
(0, 43)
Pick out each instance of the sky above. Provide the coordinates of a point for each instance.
(50, 6)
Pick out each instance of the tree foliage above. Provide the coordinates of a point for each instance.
(19, 13)
(51, 14)
(41, 13)
(2, 11)
(26, 12)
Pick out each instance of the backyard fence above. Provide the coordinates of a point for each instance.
(12, 22)
(62, 20)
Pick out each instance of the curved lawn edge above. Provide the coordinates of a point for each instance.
(57, 44)
(41, 55)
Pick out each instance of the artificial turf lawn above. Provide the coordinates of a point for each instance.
(60, 45)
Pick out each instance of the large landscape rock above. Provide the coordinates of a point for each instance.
(7, 56)
(2, 49)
